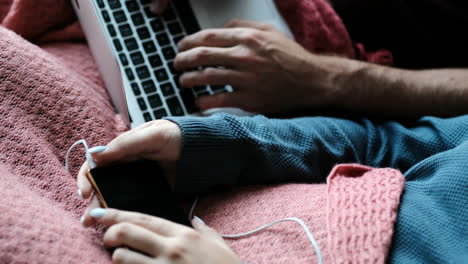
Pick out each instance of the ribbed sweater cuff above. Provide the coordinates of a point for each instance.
(210, 155)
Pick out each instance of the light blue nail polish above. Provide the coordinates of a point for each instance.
(80, 194)
(199, 220)
(98, 212)
(97, 149)
(82, 219)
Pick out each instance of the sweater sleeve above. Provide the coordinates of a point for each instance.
(228, 150)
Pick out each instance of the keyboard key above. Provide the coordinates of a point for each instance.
(169, 53)
(155, 101)
(147, 117)
(172, 69)
(177, 80)
(111, 30)
(100, 3)
(149, 13)
(136, 89)
(120, 16)
(123, 59)
(117, 45)
(114, 4)
(169, 15)
(149, 47)
(175, 107)
(149, 87)
(155, 61)
(157, 25)
(142, 72)
(158, 114)
(189, 100)
(137, 58)
(143, 33)
(161, 75)
(130, 74)
(131, 44)
(106, 16)
(167, 89)
(174, 28)
(125, 30)
(132, 6)
(142, 104)
(178, 39)
(138, 19)
(218, 88)
(162, 38)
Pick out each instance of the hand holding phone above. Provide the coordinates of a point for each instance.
(138, 186)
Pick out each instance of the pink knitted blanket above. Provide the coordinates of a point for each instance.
(52, 95)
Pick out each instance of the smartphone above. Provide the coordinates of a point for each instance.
(138, 186)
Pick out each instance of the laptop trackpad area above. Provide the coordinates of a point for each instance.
(215, 13)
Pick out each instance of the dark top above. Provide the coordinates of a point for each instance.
(419, 33)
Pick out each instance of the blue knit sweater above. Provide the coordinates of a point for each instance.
(432, 153)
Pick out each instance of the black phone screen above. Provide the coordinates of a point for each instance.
(140, 187)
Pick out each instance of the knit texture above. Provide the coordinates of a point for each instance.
(319, 29)
(357, 227)
(362, 209)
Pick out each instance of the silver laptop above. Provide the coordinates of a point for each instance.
(135, 50)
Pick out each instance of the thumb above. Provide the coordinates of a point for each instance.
(207, 231)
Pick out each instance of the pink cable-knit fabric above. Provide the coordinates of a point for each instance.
(52, 95)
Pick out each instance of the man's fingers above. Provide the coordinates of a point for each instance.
(127, 256)
(219, 37)
(234, 99)
(206, 56)
(215, 76)
(109, 217)
(158, 6)
(136, 237)
(236, 23)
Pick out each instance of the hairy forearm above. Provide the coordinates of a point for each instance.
(378, 90)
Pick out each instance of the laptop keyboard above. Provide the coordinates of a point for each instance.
(146, 46)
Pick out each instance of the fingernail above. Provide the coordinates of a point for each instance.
(199, 220)
(98, 212)
(82, 219)
(97, 149)
(80, 194)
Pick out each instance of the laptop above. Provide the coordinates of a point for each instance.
(135, 49)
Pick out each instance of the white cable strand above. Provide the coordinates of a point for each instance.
(82, 141)
(289, 219)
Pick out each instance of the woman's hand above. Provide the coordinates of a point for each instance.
(159, 140)
(268, 71)
(155, 240)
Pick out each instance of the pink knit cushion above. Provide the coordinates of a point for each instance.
(357, 227)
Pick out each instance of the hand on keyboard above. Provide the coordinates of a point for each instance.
(268, 71)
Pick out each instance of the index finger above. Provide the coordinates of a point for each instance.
(219, 37)
(109, 217)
